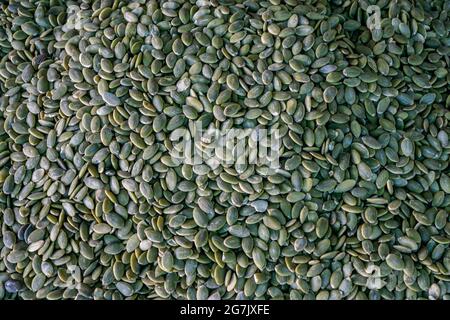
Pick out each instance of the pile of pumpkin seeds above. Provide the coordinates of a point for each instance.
(92, 206)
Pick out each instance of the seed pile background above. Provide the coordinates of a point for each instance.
(92, 206)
